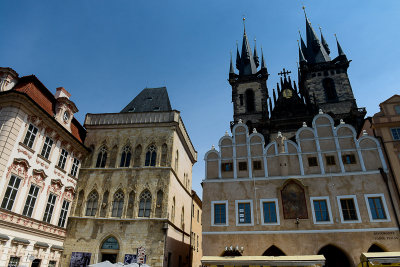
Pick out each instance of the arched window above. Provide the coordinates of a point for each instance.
(91, 204)
(176, 160)
(159, 201)
(164, 151)
(101, 157)
(125, 157)
(330, 91)
(151, 155)
(131, 202)
(118, 204)
(104, 204)
(249, 100)
(173, 210)
(138, 153)
(79, 203)
(145, 204)
(109, 250)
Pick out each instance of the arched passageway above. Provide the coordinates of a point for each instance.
(334, 256)
(273, 251)
(375, 248)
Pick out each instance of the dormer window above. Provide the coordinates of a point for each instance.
(149, 98)
(66, 116)
(156, 108)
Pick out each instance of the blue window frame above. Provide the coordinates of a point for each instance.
(244, 212)
(376, 208)
(395, 133)
(321, 210)
(220, 213)
(269, 211)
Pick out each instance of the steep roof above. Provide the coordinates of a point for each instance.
(32, 87)
(148, 100)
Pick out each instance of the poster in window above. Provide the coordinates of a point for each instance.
(294, 201)
(80, 259)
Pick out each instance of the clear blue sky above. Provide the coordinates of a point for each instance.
(105, 52)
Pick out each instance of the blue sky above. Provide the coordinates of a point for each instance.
(105, 52)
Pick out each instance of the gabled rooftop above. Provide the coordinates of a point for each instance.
(148, 100)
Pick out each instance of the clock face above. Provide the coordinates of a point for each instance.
(66, 116)
(287, 93)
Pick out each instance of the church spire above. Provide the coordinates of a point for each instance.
(340, 50)
(315, 51)
(247, 66)
(231, 70)
(255, 57)
(301, 55)
(324, 43)
(237, 56)
(263, 65)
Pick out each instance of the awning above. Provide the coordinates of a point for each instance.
(380, 259)
(303, 261)
(55, 247)
(4, 237)
(41, 245)
(19, 240)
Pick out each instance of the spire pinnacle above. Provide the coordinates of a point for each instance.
(263, 65)
(340, 50)
(315, 51)
(301, 55)
(324, 43)
(237, 56)
(304, 10)
(231, 70)
(256, 60)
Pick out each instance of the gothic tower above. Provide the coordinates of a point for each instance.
(324, 82)
(249, 88)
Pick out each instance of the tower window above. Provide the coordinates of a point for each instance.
(241, 99)
(329, 87)
(249, 100)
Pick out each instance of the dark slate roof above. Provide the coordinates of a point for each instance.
(4, 237)
(150, 99)
(20, 240)
(41, 244)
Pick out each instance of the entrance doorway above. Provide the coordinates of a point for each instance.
(334, 256)
(109, 257)
(273, 251)
(109, 250)
(36, 263)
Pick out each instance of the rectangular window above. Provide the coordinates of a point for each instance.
(330, 160)
(257, 165)
(63, 214)
(349, 159)
(30, 136)
(63, 158)
(14, 262)
(321, 210)
(11, 192)
(244, 213)
(52, 264)
(377, 209)
(49, 208)
(397, 109)
(348, 206)
(198, 215)
(226, 167)
(243, 166)
(30, 200)
(220, 213)
(269, 212)
(74, 168)
(312, 161)
(395, 133)
(48, 143)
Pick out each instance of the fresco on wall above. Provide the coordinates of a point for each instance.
(294, 201)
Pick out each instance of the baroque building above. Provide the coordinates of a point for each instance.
(134, 191)
(41, 152)
(293, 179)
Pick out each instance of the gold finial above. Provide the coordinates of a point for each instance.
(244, 24)
(304, 9)
(335, 37)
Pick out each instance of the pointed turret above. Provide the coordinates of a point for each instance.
(237, 57)
(255, 57)
(274, 94)
(301, 56)
(231, 70)
(270, 104)
(303, 47)
(263, 65)
(247, 66)
(324, 43)
(339, 48)
(315, 51)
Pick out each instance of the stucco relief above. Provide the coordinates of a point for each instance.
(19, 167)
